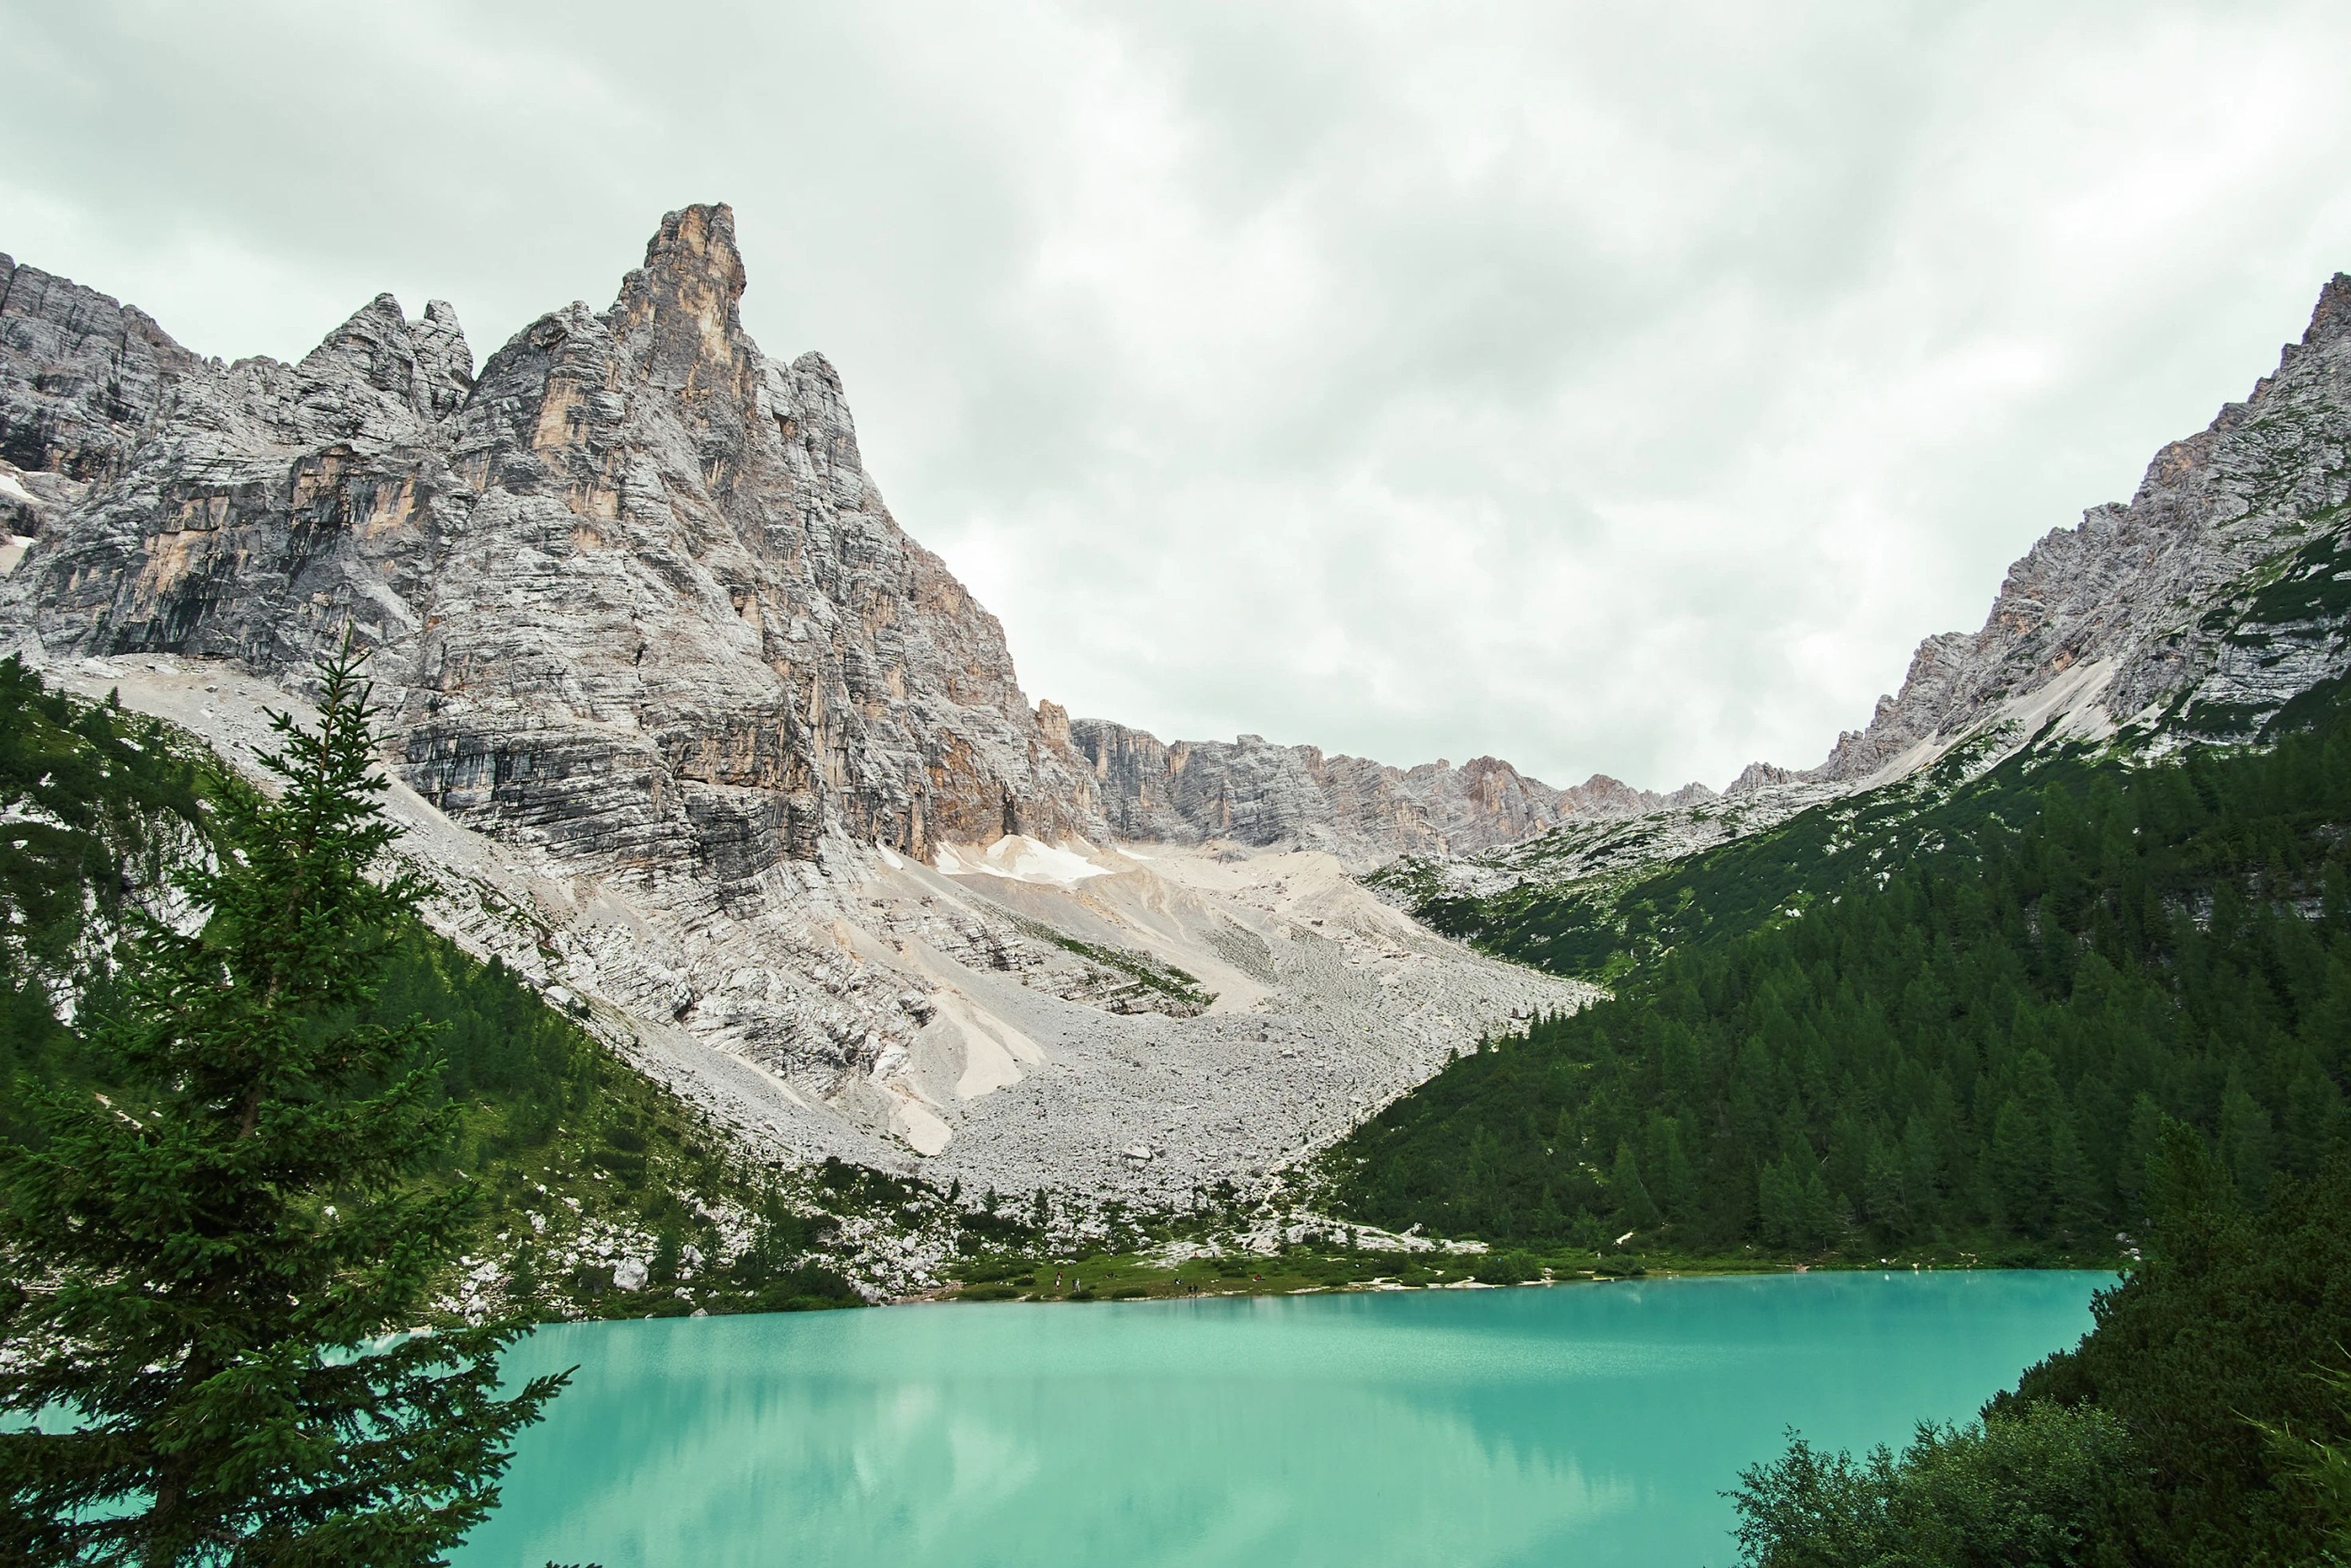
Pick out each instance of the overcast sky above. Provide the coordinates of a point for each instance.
(1621, 387)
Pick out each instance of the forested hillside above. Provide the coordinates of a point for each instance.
(99, 803)
(1963, 1026)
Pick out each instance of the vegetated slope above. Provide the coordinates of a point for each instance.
(1604, 928)
(1963, 1027)
(99, 805)
(2195, 612)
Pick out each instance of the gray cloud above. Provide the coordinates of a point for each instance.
(1605, 387)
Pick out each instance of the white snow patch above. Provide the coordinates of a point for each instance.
(16, 492)
(890, 858)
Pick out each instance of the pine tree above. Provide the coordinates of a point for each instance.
(2140, 1145)
(1677, 1192)
(2072, 1188)
(2020, 1167)
(1886, 1196)
(218, 1258)
(1814, 1215)
(2244, 1139)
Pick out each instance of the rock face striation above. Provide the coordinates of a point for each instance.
(79, 372)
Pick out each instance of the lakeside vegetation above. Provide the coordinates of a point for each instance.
(2204, 1422)
(1049, 1274)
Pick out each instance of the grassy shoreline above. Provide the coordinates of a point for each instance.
(1146, 1276)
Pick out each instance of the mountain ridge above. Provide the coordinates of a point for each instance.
(2212, 509)
(2195, 612)
(431, 443)
(689, 730)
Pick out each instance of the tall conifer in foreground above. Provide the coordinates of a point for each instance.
(208, 1259)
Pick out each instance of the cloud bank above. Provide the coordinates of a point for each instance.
(1604, 387)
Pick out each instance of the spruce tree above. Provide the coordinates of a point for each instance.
(219, 1259)
(1635, 1206)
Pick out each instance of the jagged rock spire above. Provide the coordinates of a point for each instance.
(2332, 317)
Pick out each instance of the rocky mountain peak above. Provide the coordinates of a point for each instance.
(677, 321)
(813, 413)
(427, 364)
(445, 360)
(2331, 321)
(692, 279)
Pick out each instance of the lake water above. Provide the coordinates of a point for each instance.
(1579, 1425)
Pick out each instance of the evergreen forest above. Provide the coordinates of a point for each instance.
(1955, 1026)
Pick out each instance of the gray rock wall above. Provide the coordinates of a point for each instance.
(78, 372)
(1366, 813)
(631, 590)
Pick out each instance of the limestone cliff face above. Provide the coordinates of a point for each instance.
(79, 375)
(1260, 794)
(78, 372)
(631, 591)
(2198, 608)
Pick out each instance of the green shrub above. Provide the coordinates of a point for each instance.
(1510, 1267)
(2040, 1489)
(809, 1287)
(2198, 1424)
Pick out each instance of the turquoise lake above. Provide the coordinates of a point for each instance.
(1578, 1425)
